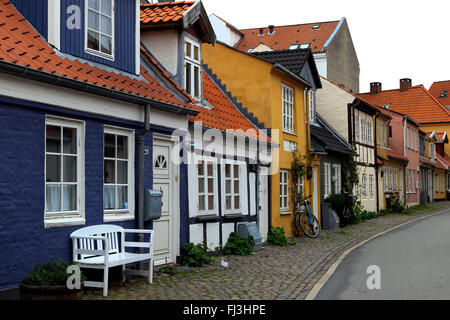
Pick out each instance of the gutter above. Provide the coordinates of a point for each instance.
(37, 75)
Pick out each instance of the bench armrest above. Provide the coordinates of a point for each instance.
(137, 231)
(89, 237)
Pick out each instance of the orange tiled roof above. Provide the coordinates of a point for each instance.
(223, 115)
(417, 103)
(393, 153)
(445, 159)
(285, 36)
(437, 88)
(157, 14)
(22, 45)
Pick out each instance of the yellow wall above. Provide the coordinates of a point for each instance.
(440, 192)
(443, 127)
(257, 85)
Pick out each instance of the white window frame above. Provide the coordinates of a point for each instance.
(400, 180)
(326, 180)
(232, 193)
(284, 181)
(66, 218)
(363, 130)
(364, 186)
(391, 180)
(386, 180)
(378, 131)
(129, 213)
(337, 178)
(413, 182)
(287, 105)
(371, 186)
(356, 128)
(94, 52)
(205, 161)
(395, 180)
(312, 106)
(301, 184)
(190, 59)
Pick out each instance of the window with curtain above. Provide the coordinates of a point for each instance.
(193, 70)
(63, 168)
(287, 100)
(118, 177)
(100, 28)
(232, 187)
(206, 186)
(371, 186)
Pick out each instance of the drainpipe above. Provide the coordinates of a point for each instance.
(375, 139)
(141, 142)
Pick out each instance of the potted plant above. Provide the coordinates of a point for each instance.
(48, 281)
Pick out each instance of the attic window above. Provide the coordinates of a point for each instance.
(100, 28)
(304, 46)
(192, 63)
(316, 26)
(444, 93)
(294, 46)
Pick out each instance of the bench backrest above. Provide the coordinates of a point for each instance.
(113, 233)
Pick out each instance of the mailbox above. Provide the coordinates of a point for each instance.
(152, 205)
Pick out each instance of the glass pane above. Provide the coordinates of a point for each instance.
(53, 168)
(109, 172)
(109, 146)
(236, 202)
(122, 147)
(236, 171)
(106, 25)
(53, 139)
(106, 45)
(70, 140)
(69, 198)
(210, 202)
(109, 198)
(228, 186)
(201, 185)
(93, 4)
(200, 168)
(210, 170)
(227, 170)
(196, 82)
(201, 203)
(188, 49)
(53, 198)
(228, 202)
(106, 7)
(93, 22)
(210, 185)
(122, 198)
(236, 186)
(188, 77)
(70, 169)
(122, 172)
(196, 53)
(93, 40)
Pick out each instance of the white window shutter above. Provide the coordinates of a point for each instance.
(243, 190)
(193, 189)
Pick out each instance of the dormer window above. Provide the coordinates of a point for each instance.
(192, 63)
(304, 46)
(100, 28)
(316, 26)
(294, 46)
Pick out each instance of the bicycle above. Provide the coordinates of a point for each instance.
(350, 201)
(308, 222)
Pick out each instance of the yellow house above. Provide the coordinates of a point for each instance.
(284, 100)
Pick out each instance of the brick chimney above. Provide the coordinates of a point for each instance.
(375, 87)
(271, 27)
(405, 84)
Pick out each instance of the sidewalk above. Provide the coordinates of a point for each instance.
(270, 274)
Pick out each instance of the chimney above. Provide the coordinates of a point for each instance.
(375, 87)
(271, 27)
(405, 84)
(261, 31)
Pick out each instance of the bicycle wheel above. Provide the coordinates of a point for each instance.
(310, 228)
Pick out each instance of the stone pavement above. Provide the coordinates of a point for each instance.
(270, 274)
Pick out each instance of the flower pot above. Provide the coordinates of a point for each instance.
(28, 292)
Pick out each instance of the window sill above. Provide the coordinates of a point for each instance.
(118, 217)
(99, 54)
(290, 133)
(64, 222)
(285, 213)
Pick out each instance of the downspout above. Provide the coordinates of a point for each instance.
(376, 155)
(141, 143)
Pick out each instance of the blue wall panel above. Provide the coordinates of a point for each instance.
(36, 12)
(73, 41)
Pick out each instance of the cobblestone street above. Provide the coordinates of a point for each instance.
(270, 274)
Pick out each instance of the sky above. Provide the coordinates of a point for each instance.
(393, 39)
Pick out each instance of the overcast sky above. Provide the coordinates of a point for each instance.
(393, 39)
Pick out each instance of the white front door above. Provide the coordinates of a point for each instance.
(263, 203)
(315, 193)
(163, 179)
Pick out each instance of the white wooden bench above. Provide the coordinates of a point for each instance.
(103, 247)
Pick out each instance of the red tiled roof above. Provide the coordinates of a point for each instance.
(417, 103)
(157, 14)
(285, 36)
(393, 153)
(437, 89)
(223, 115)
(444, 160)
(22, 45)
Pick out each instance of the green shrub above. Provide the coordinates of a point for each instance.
(277, 237)
(238, 246)
(195, 255)
(52, 273)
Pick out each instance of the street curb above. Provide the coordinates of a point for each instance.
(319, 285)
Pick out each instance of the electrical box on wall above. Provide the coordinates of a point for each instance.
(152, 205)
